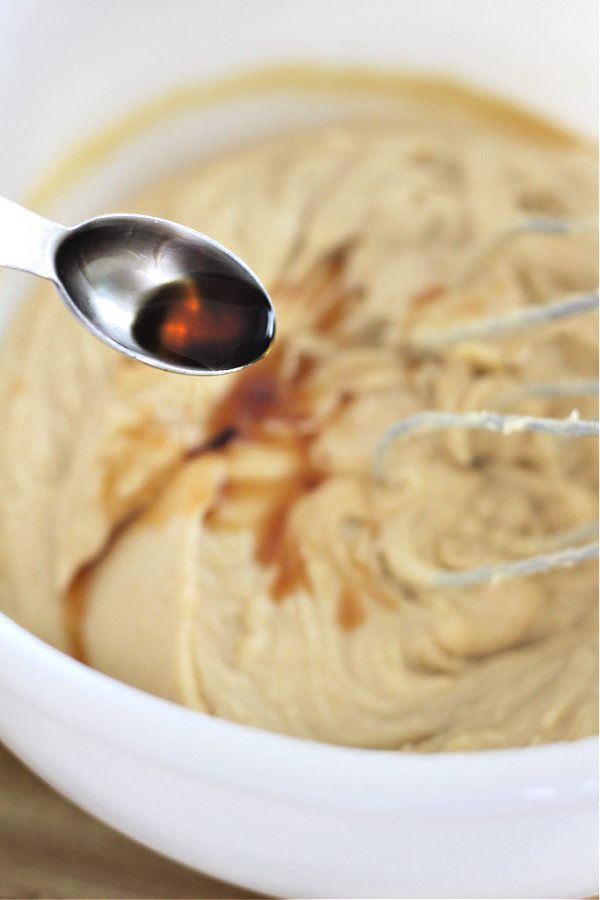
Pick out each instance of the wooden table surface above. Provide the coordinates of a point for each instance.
(51, 849)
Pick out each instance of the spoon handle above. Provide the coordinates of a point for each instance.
(27, 240)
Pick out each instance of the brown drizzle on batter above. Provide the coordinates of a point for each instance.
(267, 407)
(265, 404)
(76, 595)
(75, 605)
(351, 611)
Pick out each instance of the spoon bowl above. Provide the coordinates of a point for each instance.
(151, 289)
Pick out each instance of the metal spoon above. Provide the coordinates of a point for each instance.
(156, 291)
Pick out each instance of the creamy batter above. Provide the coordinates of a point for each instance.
(222, 542)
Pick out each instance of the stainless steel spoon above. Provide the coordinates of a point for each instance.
(156, 291)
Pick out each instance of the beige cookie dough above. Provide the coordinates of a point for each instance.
(222, 542)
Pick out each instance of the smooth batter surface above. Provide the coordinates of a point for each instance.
(221, 541)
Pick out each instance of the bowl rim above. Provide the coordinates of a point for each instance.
(298, 771)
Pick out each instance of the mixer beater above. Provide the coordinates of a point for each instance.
(566, 549)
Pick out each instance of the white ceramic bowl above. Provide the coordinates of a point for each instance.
(276, 814)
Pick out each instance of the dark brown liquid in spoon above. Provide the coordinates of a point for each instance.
(213, 322)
